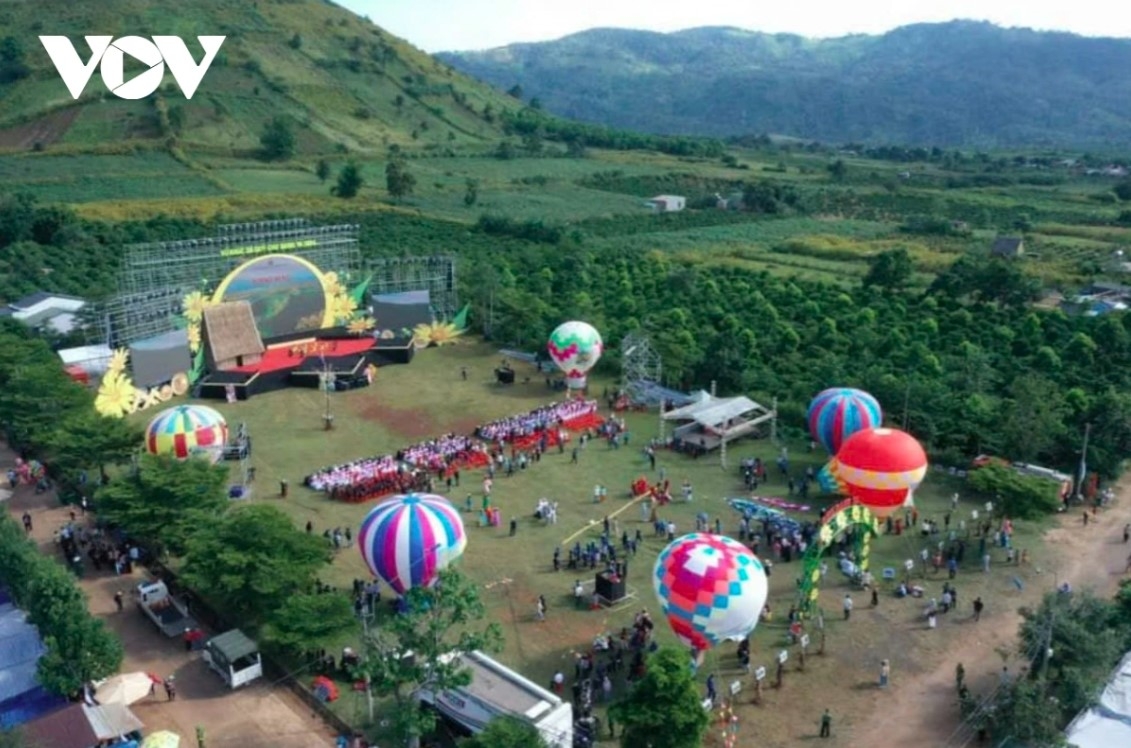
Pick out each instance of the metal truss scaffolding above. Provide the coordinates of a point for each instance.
(156, 277)
(436, 274)
(641, 365)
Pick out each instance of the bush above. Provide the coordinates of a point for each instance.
(1016, 495)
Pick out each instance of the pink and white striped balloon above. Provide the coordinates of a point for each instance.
(406, 540)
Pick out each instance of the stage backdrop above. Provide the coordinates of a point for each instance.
(287, 295)
(398, 314)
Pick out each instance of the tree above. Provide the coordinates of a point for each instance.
(399, 181)
(322, 170)
(506, 732)
(890, 270)
(837, 170)
(1032, 418)
(252, 561)
(165, 501)
(86, 440)
(515, 91)
(277, 140)
(471, 194)
(295, 42)
(349, 182)
(79, 650)
(13, 65)
(308, 618)
(1015, 495)
(663, 709)
(439, 621)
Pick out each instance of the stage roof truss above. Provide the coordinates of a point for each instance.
(741, 413)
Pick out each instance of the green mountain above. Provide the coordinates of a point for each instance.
(952, 84)
(343, 83)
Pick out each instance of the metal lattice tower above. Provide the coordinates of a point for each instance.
(436, 274)
(155, 277)
(641, 365)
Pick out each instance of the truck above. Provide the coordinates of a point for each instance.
(234, 657)
(496, 690)
(167, 612)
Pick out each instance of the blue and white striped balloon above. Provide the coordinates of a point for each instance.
(406, 540)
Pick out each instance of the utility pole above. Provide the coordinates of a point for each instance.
(327, 387)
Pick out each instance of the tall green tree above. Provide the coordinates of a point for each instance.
(663, 709)
(79, 649)
(278, 139)
(349, 182)
(166, 500)
(1032, 417)
(505, 732)
(252, 561)
(322, 170)
(304, 619)
(86, 440)
(399, 181)
(889, 270)
(440, 622)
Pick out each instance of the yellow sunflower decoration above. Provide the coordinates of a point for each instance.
(343, 308)
(361, 325)
(193, 332)
(333, 284)
(194, 305)
(118, 361)
(116, 396)
(437, 333)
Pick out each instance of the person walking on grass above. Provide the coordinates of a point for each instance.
(826, 724)
(847, 606)
(1126, 532)
(978, 606)
(885, 673)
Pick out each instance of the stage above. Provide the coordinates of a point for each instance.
(300, 362)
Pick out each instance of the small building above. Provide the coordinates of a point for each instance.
(667, 203)
(49, 310)
(1008, 246)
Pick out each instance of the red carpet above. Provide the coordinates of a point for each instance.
(588, 421)
(291, 355)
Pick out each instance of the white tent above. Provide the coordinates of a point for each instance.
(711, 420)
(1107, 724)
(94, 359)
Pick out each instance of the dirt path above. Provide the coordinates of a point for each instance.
(924, 710)
(262, 714)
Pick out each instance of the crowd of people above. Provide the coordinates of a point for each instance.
(536, 421)
(413, 468)
(444, 454)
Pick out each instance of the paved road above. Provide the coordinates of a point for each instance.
(258, 715)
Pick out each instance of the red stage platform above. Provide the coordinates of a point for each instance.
(292, 355)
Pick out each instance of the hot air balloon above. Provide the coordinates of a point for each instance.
(406, 540)
(839, 412)
(880, 468)
(575, 347)
(712, 589)
(186, 431)
(827, 481)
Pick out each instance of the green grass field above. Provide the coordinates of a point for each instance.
(426, 398)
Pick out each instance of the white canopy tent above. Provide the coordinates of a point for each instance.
(711, 422)
(1108, 723)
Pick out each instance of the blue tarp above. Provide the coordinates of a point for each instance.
(645, 392)
(21, 697)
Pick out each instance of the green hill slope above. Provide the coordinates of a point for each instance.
(344, 83)
(950, 84)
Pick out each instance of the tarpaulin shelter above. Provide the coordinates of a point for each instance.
(21, 696)
(82, 726)
(1108, 723)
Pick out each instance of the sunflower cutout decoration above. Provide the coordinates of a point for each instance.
(361, 325)
(437, 333)
(116, 396)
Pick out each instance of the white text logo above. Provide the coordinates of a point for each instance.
(111, 53)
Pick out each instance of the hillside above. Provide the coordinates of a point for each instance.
(952, 84)
(344, 83)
